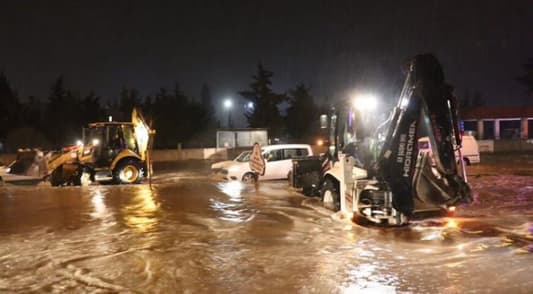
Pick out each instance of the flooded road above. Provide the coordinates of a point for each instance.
(190, 233)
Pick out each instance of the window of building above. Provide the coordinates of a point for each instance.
(488, 130)
(510, 129)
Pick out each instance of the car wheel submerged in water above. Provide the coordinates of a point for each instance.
(249, 178)
(128, 172)
(330, 196)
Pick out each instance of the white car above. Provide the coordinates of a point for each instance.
(278, 163)
(469, 149)
(242, 157)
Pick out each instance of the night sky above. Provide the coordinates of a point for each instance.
(332, 46)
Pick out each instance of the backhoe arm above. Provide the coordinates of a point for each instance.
(425, 99)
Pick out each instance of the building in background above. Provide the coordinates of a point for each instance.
(499, 123)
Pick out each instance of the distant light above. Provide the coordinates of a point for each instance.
(320, 142)
(79, 143)
(250, 105)
(228, 103)
(365, 102)
(96, 142)
(110, 118)
(451, 209)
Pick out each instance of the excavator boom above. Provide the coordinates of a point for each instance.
(425, 100)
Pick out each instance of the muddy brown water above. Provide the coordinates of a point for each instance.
(191, 233)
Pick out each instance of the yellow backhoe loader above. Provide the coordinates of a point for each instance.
(116, 152)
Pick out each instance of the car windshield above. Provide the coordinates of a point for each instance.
(243, 157)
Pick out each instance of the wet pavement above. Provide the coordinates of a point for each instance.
(190, 233)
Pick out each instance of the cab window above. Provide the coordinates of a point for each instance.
(295, 153)
(129, 138)
(274, 155)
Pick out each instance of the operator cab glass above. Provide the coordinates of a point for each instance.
(107, 140)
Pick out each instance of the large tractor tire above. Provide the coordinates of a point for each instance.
(128, 171)
(57, 178)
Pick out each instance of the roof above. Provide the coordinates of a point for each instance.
(282, 146)
(107, 123)
(493, 112)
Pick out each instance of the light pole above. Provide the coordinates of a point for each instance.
(227, 105)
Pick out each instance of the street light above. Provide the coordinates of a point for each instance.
(227, 105)
(365, 102)
(365, 105)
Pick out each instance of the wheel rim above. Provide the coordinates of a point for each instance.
(248, 178)
(129, 174)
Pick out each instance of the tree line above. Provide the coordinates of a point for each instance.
(56, 119)
(178, 118)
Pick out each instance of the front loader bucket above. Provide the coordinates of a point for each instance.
(30, 163)
(438, 189)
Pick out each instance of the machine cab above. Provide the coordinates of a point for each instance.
(104, 141)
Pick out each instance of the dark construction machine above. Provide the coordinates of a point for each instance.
(388, 181)
(116, 152)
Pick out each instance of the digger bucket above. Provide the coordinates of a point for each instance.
(30, 163)
(144, 136)
(438, 190)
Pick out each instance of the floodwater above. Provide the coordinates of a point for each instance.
(190, 233)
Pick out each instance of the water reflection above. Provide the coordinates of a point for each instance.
(371, 274)
(235, 209)
(97, 200)
(233, 189)
(371, 277)
(142, 213)
(195, 236)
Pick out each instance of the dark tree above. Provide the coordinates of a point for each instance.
(207, 103)
(527, 78)
(163, 115)
(91, 110)
(302, 114)
(9, 106)
(129, 98)
(32, 112)
(174, 117)
(55, 111)
(63, 121)
(265, 113)
(179, 96)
